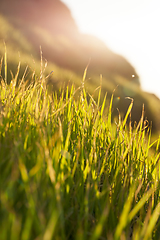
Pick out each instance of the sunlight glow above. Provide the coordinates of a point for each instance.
(129, 28)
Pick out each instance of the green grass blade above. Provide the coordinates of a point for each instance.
(127, 114)
(139, 205)
(154, 218)
(124, 215)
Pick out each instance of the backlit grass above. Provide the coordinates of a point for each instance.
(67, 172)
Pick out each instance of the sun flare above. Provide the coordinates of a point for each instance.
(129, 28)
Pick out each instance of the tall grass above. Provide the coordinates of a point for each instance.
(67, 172)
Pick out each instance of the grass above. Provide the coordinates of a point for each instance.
(67, 172)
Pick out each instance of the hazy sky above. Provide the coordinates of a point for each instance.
(130, 28)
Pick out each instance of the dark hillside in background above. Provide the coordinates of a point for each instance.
(49, 24)
(67, 47)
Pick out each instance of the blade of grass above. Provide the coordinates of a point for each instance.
(153, 219)
(124, 215)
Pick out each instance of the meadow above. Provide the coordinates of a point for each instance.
(68, 170)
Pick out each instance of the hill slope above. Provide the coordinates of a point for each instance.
(28, 24)
(49, 24)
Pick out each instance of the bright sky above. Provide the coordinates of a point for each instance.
(128, 27)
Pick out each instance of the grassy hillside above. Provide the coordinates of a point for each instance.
(60, 38)
(20, 49)
(68, 173)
